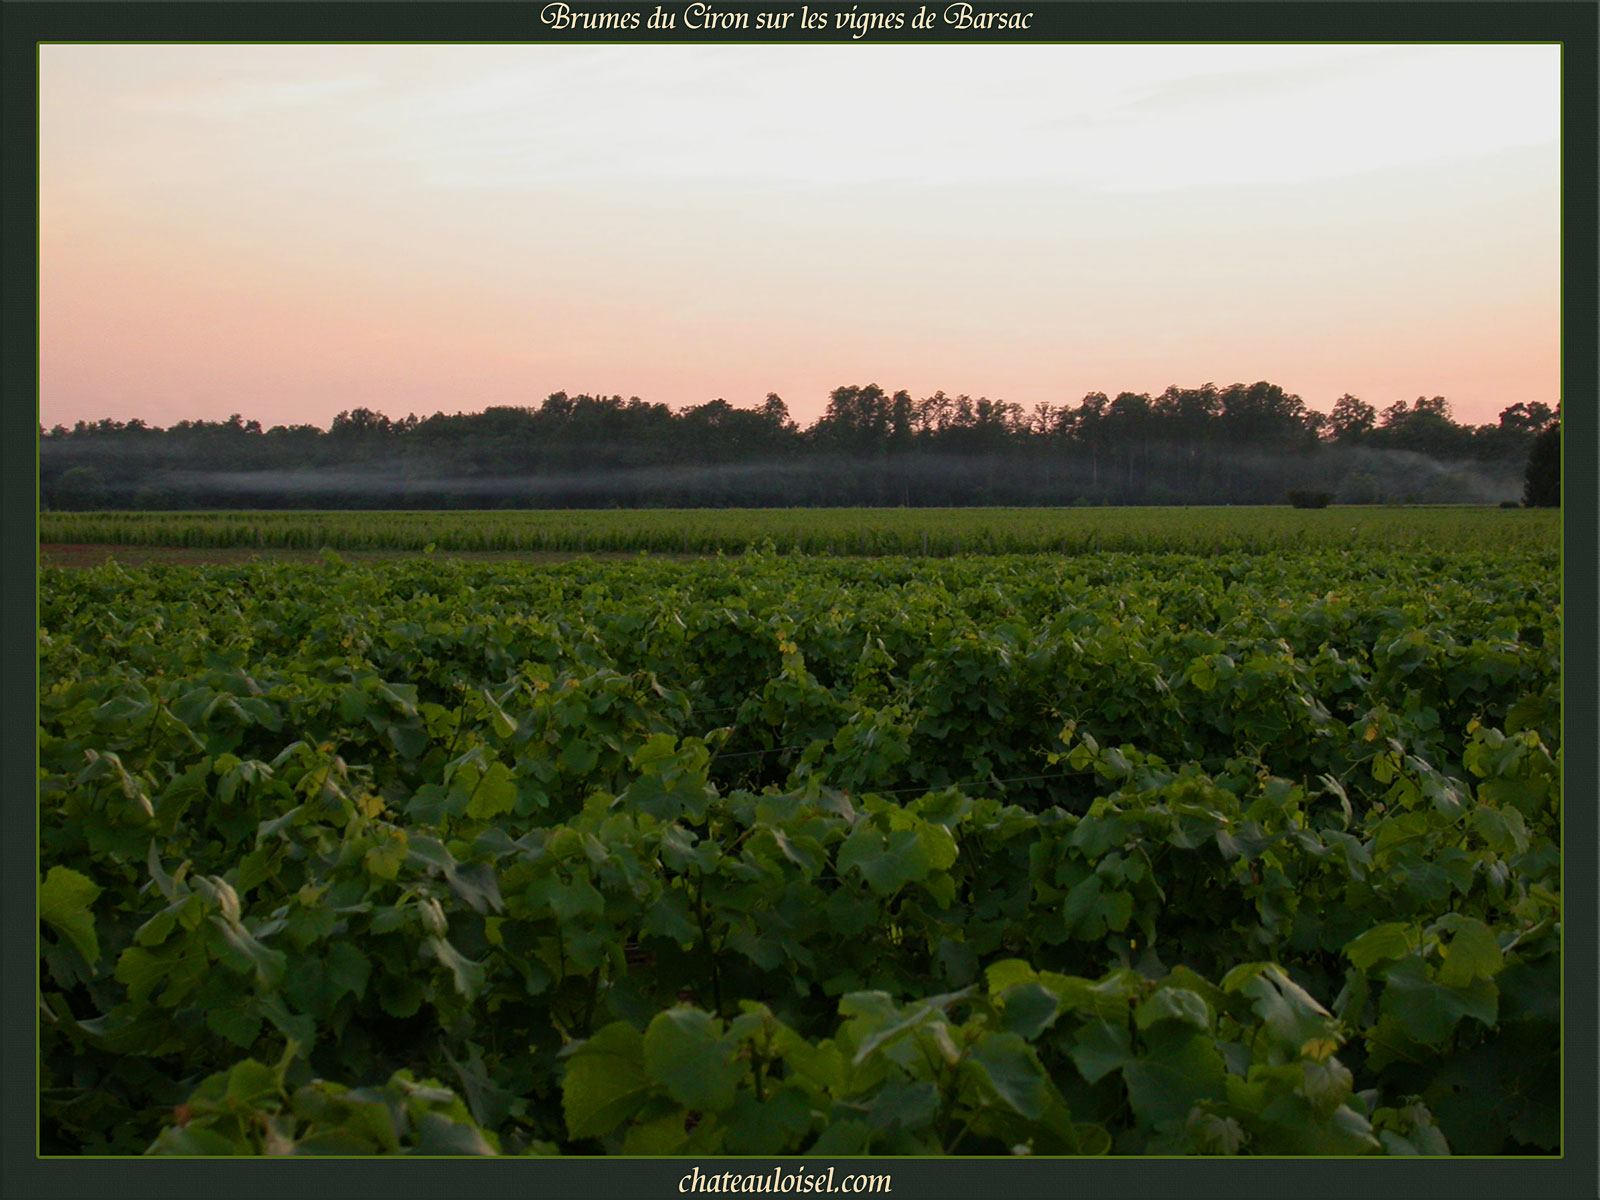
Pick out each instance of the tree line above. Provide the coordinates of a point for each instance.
(1240, 444)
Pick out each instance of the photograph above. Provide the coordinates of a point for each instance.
(756, 599)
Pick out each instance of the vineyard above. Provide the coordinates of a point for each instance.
(1152, 852)
(936, 532)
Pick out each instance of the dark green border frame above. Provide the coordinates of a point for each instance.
(1576, 1174)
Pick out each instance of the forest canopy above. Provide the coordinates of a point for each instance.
(1241, 444)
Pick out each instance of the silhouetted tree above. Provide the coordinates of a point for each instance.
(1351, 419)
(1542, 488)
(80, 488)
(1532, 418)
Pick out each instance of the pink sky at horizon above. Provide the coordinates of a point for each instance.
(287, 232)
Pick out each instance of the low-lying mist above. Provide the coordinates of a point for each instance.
(1159, 474)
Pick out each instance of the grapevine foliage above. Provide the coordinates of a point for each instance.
(1112, 854)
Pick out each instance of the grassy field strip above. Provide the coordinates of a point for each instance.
(838, 532)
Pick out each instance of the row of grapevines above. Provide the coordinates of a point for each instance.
(1126, 855)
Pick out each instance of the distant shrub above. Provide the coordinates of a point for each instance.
(1303, 499)
(1510, 504)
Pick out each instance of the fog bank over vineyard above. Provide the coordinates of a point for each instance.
(1350, 475)
(1236, 445)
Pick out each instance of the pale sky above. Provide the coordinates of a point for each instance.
(289, 231)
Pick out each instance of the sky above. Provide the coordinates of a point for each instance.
(291, 231)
